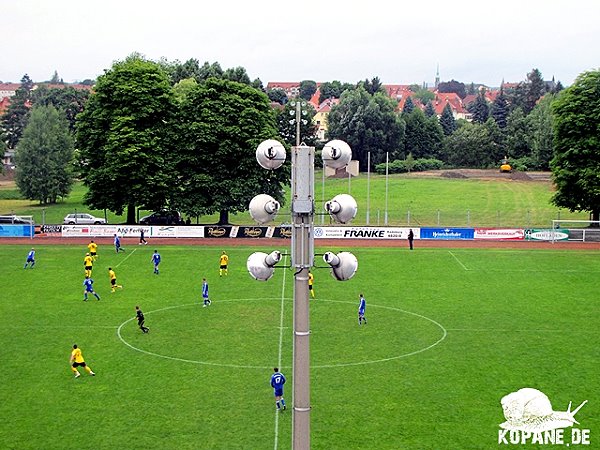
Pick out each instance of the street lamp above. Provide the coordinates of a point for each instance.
(342, 208)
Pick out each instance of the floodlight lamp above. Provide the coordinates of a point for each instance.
(336, 154)
(261, 265)
(342, 208)
(270, 154)
(343, 265)
(263, 208)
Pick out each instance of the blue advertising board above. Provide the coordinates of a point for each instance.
(16, 230)
(447, 233)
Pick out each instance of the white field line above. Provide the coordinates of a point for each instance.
(280, 349)
(126, 258)
(458, 261)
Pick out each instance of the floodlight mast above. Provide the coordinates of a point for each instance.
(302, 259)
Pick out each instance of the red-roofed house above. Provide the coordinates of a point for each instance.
(8, 89)
(456, 105)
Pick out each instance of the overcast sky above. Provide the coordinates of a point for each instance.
(401, 42)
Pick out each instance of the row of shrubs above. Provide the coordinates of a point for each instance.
(411, 165)
(422, 164)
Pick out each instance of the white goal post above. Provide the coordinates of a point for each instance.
(579, 230)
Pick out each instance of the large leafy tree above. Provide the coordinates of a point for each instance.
(576, 162)
(453, 86)
(470, 146)
(372, 86)
(44, 156)
(333, 89)
(68, 99)
(368, 123)
(307, 89)
(220, 124)
(517, 134)
(123, 136)
(424, 135)
(541, 133)
(15, 118)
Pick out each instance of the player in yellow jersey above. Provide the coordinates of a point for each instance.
(77, 360)
(93, 248)
(223, 262)
(113, 280)
(88, 262)
(311, 281)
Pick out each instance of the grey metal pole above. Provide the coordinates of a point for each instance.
(302, 259)
(387, 161)
(368, 184)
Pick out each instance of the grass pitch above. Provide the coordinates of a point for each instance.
(450, 332)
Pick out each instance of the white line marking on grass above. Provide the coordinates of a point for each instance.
(458, 260)
(531, 330)
(248, 366)
(126, 258)
(281, 328)
(375, 361)
(17, 327)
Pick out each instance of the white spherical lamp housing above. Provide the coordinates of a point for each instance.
(263, 208)
(342, 208)
(261, 265)
(343, 265)
(336, 154)
(270, 154)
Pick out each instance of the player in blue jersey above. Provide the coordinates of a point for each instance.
(156, 261)
(88, 287)
(30, 259)
(118, 247)
(207, 301)
(277, 382)
(362, 305)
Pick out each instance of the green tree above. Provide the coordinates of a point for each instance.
(123, 136)
(373, 86)
(453, 86)
(183, 88)
(576, 162)
(277, 95)
(424, 95)
(333, 89)
(424, 135)
(44, 157)
(447, 121)
(219, 126)
(15, 118)
(479, 109)
(517, 135)
(307, 89)
(429, 111)
(56, 79)
(541, 132)
(500, 109)
(368, 123)
(179, 71)
(470, 146)
(409, 106)
(238, 74)
(67, 99)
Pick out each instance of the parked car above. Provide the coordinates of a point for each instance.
(15, 220)
(162, 218)
(83, 219)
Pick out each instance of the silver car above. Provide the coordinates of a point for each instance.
(83, 219)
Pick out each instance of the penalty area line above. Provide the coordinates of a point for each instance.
(126, 258)
(458, 261)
